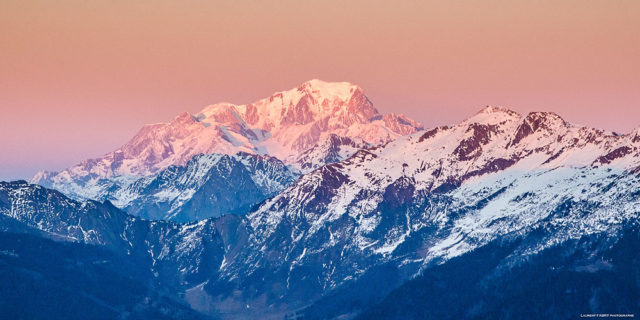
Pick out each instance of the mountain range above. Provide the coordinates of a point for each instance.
(307, 127)
(366, 216)
(284, 125)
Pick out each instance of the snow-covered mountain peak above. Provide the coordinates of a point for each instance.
(184, 118)
(490, 109)
(546, 120)
(635, 136)
(327, 105)
(492, 141)
(497, 111)
(539, 125)
(319, 88)
(220, 112)
(492, 115)
(284, 125)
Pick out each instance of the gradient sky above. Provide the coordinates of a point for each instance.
(79, 78)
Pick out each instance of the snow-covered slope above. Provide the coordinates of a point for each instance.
(206, 186)
(496, 150)
(330, 150)
(283, 125)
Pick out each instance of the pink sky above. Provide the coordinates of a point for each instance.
(79, 78)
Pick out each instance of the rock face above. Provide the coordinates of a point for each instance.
(333, 149)
(500, 192)
(284, 125)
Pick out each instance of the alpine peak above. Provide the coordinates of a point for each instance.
(492, 115)
(284, 125)
(343, 90)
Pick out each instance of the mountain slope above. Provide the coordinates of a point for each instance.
(590, 275)
(207, 186)
(331, 150)
(45, 279)
(485, 156)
